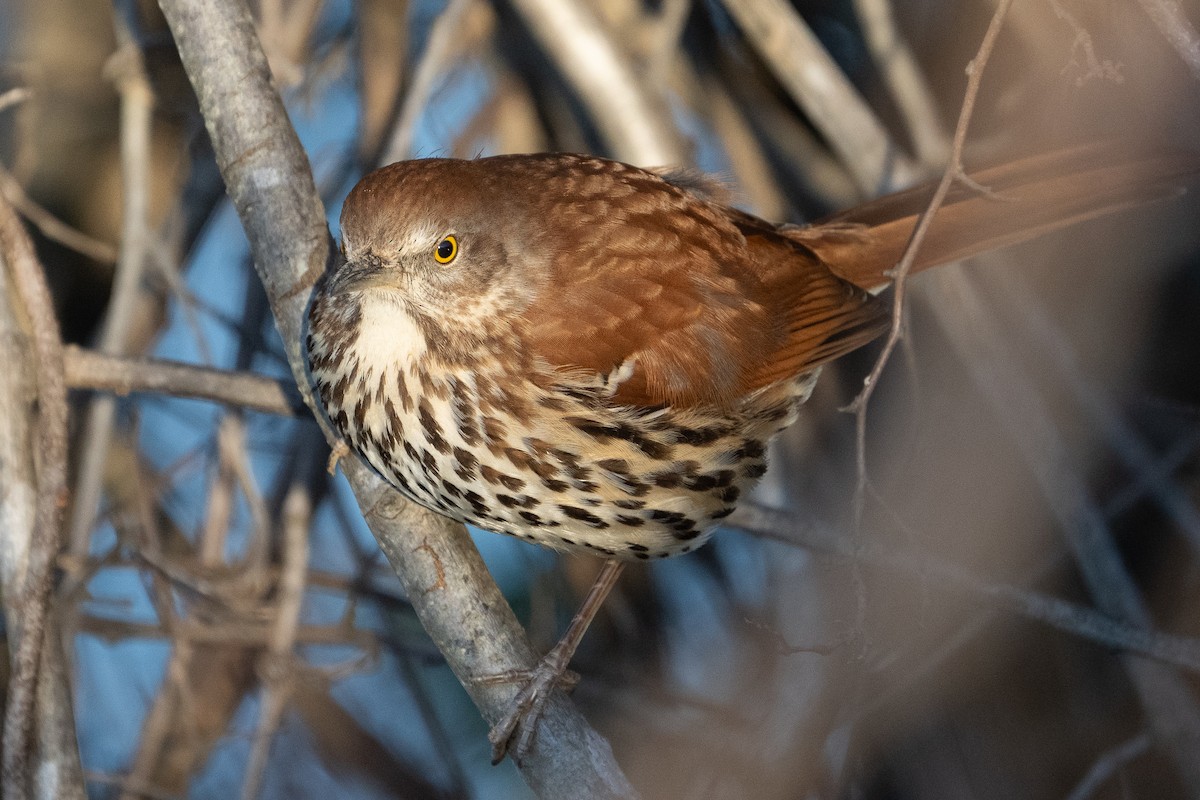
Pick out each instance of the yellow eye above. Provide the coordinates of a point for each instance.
(446, 250)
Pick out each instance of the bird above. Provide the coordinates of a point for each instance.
(594, 356)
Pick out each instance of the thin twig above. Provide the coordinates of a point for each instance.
(218, 511)
(275, 665)
(51, 226)
(458, 30)
(239, 463)
(137, 102)
(952, 172)
(1086, 623)
(14, 97)
(949, 175)
(1109, 763)
(29, 603)
(1017, 401)
(1093, 66)
(87, 369)
(1127, 444)
(631, 114)
(1177, 29)
(904, 80)
(809, 74)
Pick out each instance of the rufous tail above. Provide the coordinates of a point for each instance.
(1023, 199)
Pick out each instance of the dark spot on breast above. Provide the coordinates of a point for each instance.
(555, 485)
(632, 505)
(518, 458)
(583, 515)
(466, 463)
(686, 533)
(530, 517)
(393, 419)
(433, 431)
(512, 403)
(701, 483)
(635, 488)
(429, 386)
(698, 437)
(723, 513)
(360, 412)
(468, 433)
(666, 480)
(754, 470)
(543, 469)
(633, 522)
(643, 556)
(618, 466)
(512, 482)
(493, 429)
(464, 412)
(621, 430)
(402, 389)
(730, 495)
(751, 448)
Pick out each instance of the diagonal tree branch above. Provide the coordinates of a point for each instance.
(269, 179)
(41, 759)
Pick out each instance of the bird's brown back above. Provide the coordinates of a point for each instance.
(704, 304)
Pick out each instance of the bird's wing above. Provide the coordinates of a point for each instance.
(675, 300)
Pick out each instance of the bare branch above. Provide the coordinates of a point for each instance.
(1108, 764)
(904, 79)
(137, 102)
(632, 115)
(457, 30)
(985, 348)
(87, 369)
(51, 226)
(1177, 29)
(38, 725)
(275, 666)
(811, 77)
(1086, 623)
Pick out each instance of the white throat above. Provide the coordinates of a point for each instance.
(387, 336)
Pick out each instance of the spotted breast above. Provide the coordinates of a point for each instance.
(515, 447)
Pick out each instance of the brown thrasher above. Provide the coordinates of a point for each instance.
(594, 357)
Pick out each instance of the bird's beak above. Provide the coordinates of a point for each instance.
(356, 277)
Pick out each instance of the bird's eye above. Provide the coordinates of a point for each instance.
(446, 250)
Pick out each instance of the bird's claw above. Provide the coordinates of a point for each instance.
(514, 733)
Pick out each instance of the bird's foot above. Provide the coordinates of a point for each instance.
(513, 734)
